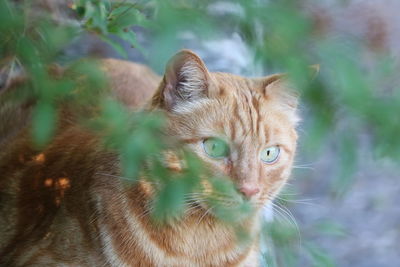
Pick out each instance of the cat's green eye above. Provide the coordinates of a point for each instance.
(270, 154)
(216, 148)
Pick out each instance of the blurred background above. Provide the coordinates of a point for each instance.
(340, 207)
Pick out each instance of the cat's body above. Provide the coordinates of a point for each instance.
(65, 206)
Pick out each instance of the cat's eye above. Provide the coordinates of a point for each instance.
(216, 148)
(270, 154)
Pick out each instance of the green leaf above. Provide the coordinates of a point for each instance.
(170, 201)
(43, 123)
(332, 228)
(318, 256)
(124, 17)
(130, 36)
(117, 47)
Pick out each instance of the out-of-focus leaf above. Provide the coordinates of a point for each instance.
(115, 45)
(331, 228)
(319, 256)
(125, 16)
(43, 123)
(347, 154)
(130, 37)
(170, 200)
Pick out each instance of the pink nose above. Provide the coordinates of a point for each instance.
(249, 191)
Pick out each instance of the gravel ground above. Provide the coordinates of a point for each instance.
(368, 211)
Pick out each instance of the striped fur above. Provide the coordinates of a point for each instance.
(66, 206)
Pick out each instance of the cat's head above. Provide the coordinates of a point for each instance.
(243, 128)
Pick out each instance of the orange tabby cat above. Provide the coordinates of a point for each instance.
(57, 209)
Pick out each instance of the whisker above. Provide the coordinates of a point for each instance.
(303, 167)
(281, 216)
(305, 164)
(202, 217)
(191, 210)
(291, 218)
(299, 201)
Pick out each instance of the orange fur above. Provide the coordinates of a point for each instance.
(63, 205)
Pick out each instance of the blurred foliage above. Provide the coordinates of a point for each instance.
(111, 19)
(345, 101)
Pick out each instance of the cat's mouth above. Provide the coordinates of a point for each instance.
(228, 208)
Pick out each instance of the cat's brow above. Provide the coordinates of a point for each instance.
(190, 140)
(286, 149)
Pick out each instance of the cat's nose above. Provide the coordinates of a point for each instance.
(249, 191)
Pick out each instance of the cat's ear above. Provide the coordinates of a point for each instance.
(278, 88)
(186, 79)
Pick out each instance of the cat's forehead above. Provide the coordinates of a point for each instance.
(271, 97)
(236, 86)
(242, 95)
(249, 112)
